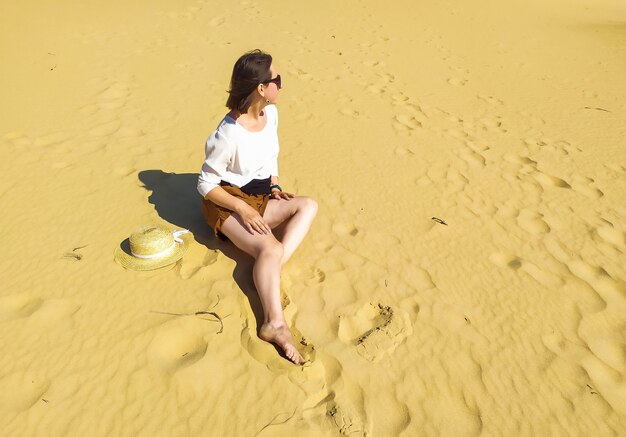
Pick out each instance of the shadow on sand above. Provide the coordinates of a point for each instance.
(177, 201)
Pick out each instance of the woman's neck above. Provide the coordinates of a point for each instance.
(255, 110)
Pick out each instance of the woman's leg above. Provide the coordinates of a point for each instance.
(299, 213)
(268, 253)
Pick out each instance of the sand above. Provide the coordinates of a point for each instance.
(465, 274)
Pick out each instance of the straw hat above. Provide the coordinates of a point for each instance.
(151, 247)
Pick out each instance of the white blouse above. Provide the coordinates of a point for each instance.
(236, 155)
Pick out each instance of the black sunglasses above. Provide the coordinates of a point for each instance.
(276, 80)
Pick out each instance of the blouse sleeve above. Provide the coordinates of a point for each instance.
(218, 152)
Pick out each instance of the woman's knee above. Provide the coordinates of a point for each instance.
(308, 205)
(271, 247)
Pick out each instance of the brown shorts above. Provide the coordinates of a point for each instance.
(215, 215)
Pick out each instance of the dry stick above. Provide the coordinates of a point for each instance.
(438, 220)
(211, 313)
(76, 256)
(597, 109)
(277, 423)
(198, 313)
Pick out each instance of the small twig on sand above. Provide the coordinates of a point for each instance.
(438, 220)
(211, 313)
(72, 254)
(597, 109)
(201, 313)
(277, 423)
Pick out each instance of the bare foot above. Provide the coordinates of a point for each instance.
(281, 336)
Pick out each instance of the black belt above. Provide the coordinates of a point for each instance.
(255, 186)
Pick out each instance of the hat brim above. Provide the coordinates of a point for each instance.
(126, 259)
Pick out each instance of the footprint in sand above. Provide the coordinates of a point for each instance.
(611, 235)
(456, 81)
(492, 124)
(532, 222)
(404, 123)
(376, 89)
(456, 133)
(490, 99)
(477, 147)
(602, 379)
(415, 110)
(332, 400)
(17, 306)
(375, 330)
(179, 343)
(599, 348)
(403, 151)
(472, 158)
(549, 181)
(196, 260)
(345, 229)
(612, 291)
(582, 185)
(521, 160)
(54, 310)
(455, 181)
(399, 98)
(317, 277)
(515, 263)
(560, 147)
(37, 310)
(21, 390)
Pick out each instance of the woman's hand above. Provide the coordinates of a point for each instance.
(277, 194)
(252, 220)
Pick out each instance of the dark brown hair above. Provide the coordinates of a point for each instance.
(250, 70)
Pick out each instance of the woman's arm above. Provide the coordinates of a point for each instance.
(220, 197)
(218, 155)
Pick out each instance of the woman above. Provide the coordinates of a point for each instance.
(242, 200)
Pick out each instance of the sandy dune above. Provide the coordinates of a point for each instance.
(466, 272)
